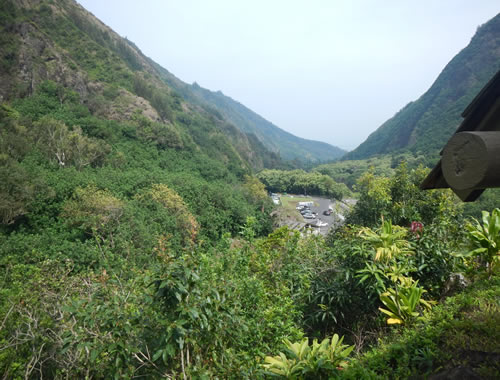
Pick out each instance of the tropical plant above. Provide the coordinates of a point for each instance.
(388, 243)
(390, 263)
(402, 303)
(315, 361)
(486, 238)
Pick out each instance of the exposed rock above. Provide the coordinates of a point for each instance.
(456, 282)
(35, 48)
(127, 104)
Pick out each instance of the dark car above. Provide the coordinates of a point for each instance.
(327, 212)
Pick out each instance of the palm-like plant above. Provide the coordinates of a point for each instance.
(402, 305)
(304, 360)
(388, 243)
(486, 238)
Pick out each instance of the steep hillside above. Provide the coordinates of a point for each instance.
(85, 116)
(290, 147)
(62, 42)
(424, 126)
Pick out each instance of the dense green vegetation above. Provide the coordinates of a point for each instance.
(349, 172)
(90, 200)
(425, 125)
(460, 334)
(136, 239)
(301, 182)
(111, 270)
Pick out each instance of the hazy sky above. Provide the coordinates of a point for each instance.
(332, 71)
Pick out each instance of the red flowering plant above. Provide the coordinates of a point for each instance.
(417, 228)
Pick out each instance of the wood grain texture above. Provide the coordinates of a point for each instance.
(471, 160)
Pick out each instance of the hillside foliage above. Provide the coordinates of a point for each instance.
(136, 237)
(302, 182)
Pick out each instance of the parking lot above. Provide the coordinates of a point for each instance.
(289, 215)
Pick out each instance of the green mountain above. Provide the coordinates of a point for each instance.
(85, 117)
(289, 146)
(62, 42)
(424, 126)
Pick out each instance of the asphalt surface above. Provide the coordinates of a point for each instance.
(323, 204)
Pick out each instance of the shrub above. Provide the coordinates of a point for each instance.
(486, 238)
(316, 361)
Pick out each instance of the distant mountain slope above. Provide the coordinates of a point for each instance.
(424, 126)
(289, 146)
(62, 42)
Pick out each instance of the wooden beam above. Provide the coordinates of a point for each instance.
(468, 195)
(471, 160)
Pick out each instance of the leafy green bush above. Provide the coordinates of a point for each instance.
(318, 361)
(487, 238)
(400, 199)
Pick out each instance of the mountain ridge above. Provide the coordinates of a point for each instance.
(423, 126)
(65, 43)
(288, 145)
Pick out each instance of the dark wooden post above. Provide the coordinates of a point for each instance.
(471, 160)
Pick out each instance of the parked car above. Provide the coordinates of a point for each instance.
(327, 212)
(309, 216)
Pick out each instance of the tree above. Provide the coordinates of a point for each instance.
(255, 190)
(374, 200)
(69, 147)
(18, 189)
(400, 199)
(161, 195)
(94, 210)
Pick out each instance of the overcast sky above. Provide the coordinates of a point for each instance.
(327, 70)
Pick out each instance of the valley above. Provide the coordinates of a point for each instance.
(151, 228)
